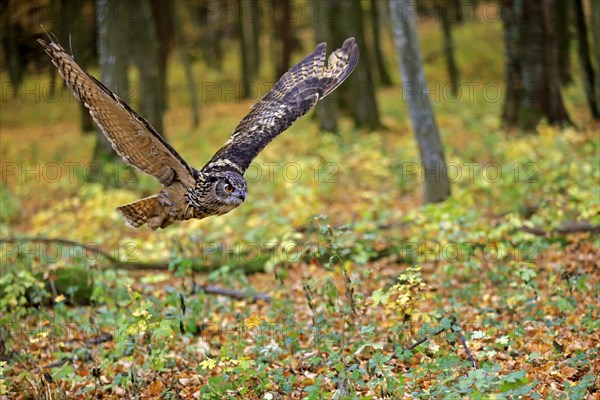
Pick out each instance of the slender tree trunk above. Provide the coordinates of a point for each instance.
(113, 59)
(563, 41)
(588, 76)
(532, 72)
(511, 18)
(244, 51)
(146, 51)
(554, 108)
(362, 100)
(437, 184)
(179, 14)
(284, 31)
(162, 16)
(14, 60)
(75, 31)
(458, 8)
(256, 29)
(595, 28)
(445, 24)
(382, 72)
(211, 27)
(327, 110)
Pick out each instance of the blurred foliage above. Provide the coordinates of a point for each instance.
(357, 269)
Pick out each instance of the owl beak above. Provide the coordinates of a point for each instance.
(240, 194)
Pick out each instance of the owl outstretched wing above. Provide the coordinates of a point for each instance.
(132, 137)
(296, 92)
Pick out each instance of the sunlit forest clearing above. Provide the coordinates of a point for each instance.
(351, 269)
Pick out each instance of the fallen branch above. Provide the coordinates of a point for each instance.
(564, 229)
(236, 294)
(460, 335)
(116, 263)
(426, 338)
(54, 364)
(102, 338)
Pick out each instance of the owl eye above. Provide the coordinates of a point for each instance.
(228, 188)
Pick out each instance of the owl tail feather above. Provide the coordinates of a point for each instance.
(139, 212)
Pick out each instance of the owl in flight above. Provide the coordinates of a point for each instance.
(219, 186)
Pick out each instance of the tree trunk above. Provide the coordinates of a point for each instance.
(14, 60)
(583, 49)
(532, 72)
(113, 59)
(595, 21)
(256, 29)
(212, 30)
(563, 41)
(284, 31)
(436, 182)
(244, 50)
(326, 110)
(80, 36)
(384, 76)
(362, 99)
(179, 14)
(445, 24)
(512, 68)
(162, 16)
(146, 51)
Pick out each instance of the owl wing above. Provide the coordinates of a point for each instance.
(132, 137)
(296, 92)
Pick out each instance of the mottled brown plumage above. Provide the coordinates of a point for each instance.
(219, 186)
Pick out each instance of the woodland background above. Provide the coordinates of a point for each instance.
(357, 267)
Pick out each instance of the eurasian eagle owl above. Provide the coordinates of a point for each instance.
(219, 186)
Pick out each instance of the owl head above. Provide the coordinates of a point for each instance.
(221, 192)
(230, 188)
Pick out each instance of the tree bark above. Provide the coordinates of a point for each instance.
(436, 182)
(242, 28)
(162, 13)
(362, 99)
(284, 31)
(532, 72)
(113, 59)
(256, 29)
(583, 49)
(382, 72)
(563, 41)
(451, 67)
(595, 27)
(326, 110)
(75, 31)
(146, 51)
(179, 15)
(512, 66)
(14, 60)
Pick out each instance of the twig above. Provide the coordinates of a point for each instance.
(460, 335)
(564, 228)
(126, 265)
(236, 294)
(54, 364)
(210, 289)
(426, 338)
(103, 337)
(464, 343)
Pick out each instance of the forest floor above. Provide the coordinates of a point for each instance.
(356, 270)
